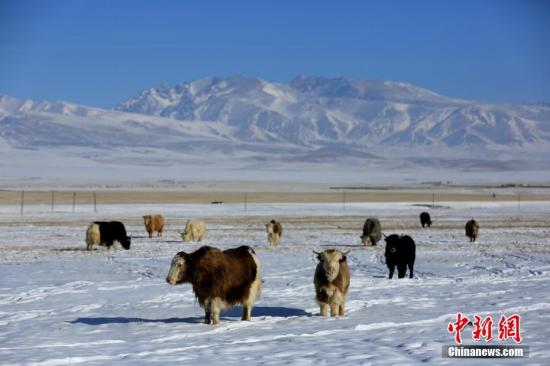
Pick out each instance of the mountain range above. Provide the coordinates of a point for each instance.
(248, 123)
(315, 111)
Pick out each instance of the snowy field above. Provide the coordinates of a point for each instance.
(61, 305)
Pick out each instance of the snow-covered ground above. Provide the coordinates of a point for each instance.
(62, 305)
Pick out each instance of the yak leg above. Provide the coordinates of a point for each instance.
(216, 307)
(207, 317)
(333, 309)
(215, 316)
(401, 269)
(324, 309)
(411, 267)
(207, 312)
(249, 303)
(392, 269)
(341, 309)
(247, 312)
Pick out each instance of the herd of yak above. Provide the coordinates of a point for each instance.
(222, 279)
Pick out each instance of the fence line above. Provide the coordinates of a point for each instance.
(53, 200)
(88, 201)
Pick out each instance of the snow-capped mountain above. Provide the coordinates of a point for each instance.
(248, 124)
(53, 139)
(315, 111)
(35, 125)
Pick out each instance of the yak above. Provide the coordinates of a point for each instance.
(400, 252)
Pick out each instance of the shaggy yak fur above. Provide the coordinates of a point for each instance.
(372, 231)
(425, 219)
(331, 282)
(106, 233)
(274, 232)
(194, 230)
(154, 223)
(220, 279)
(400, 252)
(472, 229)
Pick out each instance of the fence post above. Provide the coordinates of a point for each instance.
(344, 200)
(95, 203)
(53, 200)
(74, 200)
(433, 199)
(245, 201)
(22, 201)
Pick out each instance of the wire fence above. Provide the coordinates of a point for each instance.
(90, 201)
(53, 201)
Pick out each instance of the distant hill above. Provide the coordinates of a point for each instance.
(248, 124)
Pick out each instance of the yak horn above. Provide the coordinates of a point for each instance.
(318, 253)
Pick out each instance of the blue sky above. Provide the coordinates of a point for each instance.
(102, 52)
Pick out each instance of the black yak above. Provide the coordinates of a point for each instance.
(400, 252)
(425, 219)
(472, 229)
(106, 233)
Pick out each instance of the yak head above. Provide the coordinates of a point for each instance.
(392, 244)
(176, 275)
(147, 220)
(365, 239)
(271, 227)
(187, 235)
(126, 243)
(330, 259)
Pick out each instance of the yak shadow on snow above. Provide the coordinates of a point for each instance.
(70, 249)
(125, 320)
(138, 236)
(229, 313)
(353, 246)
(273, 311)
